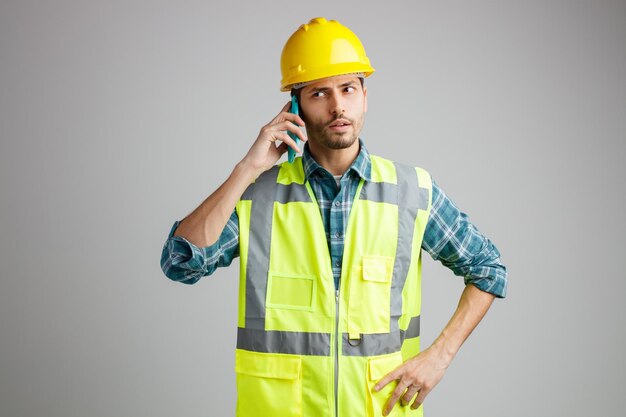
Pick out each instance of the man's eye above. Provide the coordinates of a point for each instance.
(318, 94)
(350, 89)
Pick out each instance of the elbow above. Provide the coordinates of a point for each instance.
(182, 275)
(180, 269)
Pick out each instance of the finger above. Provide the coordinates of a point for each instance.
(287, 125)
(285, 138)
(285, 114)
(282, 111)
(292, 117)
(285, 108)
(420, 399)
(391, 376)
(395, 396)
(408, 395)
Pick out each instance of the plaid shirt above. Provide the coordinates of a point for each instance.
(449, 236)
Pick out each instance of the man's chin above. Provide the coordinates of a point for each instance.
(338, 141)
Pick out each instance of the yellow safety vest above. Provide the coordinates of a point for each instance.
(303, 348)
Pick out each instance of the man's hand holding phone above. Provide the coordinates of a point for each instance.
(264, 153)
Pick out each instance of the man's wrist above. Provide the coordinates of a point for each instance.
(245, 169)
(444, 349)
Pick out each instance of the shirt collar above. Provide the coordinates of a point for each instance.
(362, 165)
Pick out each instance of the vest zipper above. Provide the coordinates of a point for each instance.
(336, 352)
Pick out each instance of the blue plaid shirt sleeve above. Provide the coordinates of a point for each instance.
(454, 241)
(185, 262)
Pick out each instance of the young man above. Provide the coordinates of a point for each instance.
(330, 249)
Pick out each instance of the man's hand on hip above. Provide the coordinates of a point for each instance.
(418, 375)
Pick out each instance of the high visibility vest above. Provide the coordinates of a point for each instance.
(304, 348)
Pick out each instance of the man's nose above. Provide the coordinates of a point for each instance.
(337, 105)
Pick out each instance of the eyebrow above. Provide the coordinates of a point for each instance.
(346, 84)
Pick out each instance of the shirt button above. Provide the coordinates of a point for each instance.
(337, 203)
(338, 234)
(337, 263)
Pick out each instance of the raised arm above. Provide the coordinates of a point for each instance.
(203, 226)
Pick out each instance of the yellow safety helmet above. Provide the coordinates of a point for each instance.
(322, 48)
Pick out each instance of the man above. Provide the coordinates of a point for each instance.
(330, 249)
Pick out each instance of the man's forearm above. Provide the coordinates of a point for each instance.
(420, 374)
(203, 226)
(472, 307)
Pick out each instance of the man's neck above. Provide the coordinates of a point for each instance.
(335, 161)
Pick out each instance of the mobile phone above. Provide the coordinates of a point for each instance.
(291, 154)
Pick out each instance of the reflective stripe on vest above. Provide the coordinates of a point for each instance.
(259, 253)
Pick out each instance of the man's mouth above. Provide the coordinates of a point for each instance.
(339, 125)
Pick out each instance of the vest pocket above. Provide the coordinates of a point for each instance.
(377, 368)
(291, 292)
(268, 384)
(370, 291)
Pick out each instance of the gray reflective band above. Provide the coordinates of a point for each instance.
(247, 194)
(291, 193)
(410, 199)
(263, 193)
(372, 344)
(380, 343)
(380, 192)
(414, 328)
(275, 341)
(285, 193)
